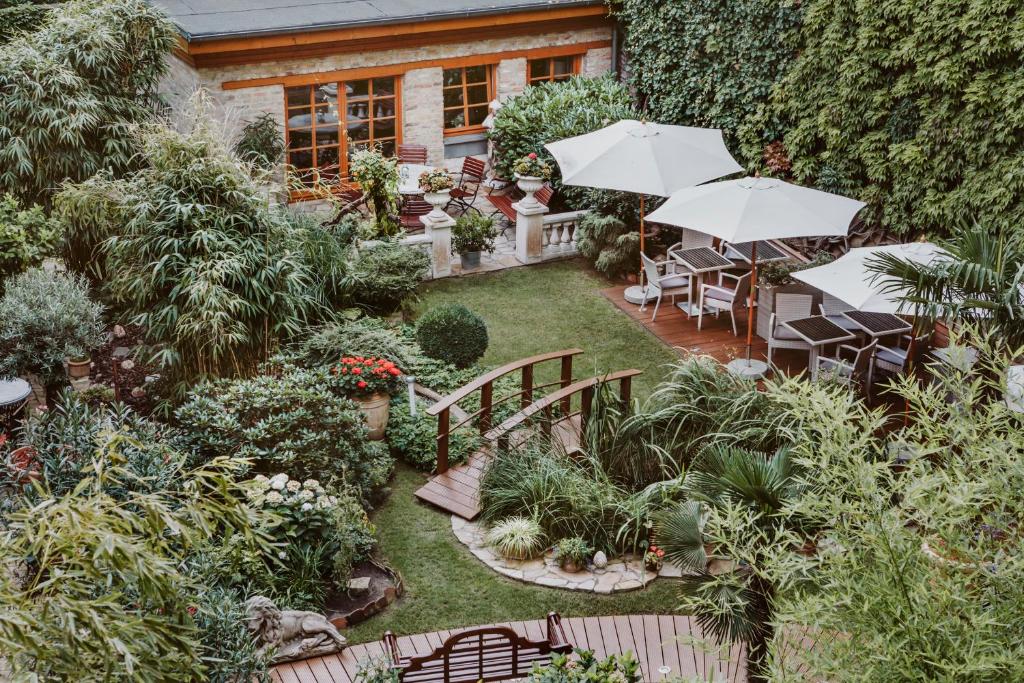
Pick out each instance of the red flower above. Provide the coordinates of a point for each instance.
(361, 384)
(395, 371)
(532, 155)
(192, 610)
(357, 371)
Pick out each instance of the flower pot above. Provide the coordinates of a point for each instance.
(471, 259)
(375, 409)
(78, 369)
(529, 185)
(570, 566)
(438, 200)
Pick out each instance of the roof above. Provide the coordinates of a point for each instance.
(211, 19)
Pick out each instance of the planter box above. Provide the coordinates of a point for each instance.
(766, 302)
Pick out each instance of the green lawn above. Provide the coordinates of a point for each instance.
(446, 587)
(551, 307)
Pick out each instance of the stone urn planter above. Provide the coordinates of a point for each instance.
(375, 409)
(529, 185)
(438, 200)
(78, 368)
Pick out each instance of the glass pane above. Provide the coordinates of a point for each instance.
(298, 139)
(453, 77)
(359, 110)
(476, 94)
(325, 118)
(454, 119)
(384, 128)
(477, 115)
(383, 108)
(387, 148)
(540, 68)
(301, 160)
(476, 74)
(383, 87)
(328, 135)
(453, 97)
(327, 160)
(563, 65)
(359, 131)
(299, 119)
(353, 148)
(357, 89)
(326, 94)
(298, 97)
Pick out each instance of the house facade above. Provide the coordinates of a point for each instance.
(345, 74)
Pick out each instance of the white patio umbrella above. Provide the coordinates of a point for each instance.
(849, 279)
(644, 158)
(752, 209)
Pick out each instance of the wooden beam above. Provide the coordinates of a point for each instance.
(401, 68)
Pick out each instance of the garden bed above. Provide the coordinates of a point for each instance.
(344, 610)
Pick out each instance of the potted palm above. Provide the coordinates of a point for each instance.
(370, 383)
(472, 235)
(531, 172)
(437, 185)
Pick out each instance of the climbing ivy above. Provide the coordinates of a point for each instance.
(708, 63)
(914, 107)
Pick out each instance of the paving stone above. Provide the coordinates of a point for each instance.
(628, 585)
(548, 581)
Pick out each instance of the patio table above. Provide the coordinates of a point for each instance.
(14, 394)
(409, 179)
(698, 261)
(818, 331)
(766, 251)
(877, 325)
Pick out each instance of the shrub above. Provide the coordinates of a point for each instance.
(452, 333)
(27, 236)
(293, 422)
(587, 668)
(362, 337)
(365, 376)
(377, 175)
(73, 90)
(46, 317)
(574, 549)
(414, 439)
(261, 142)
(517, 538)
(473, 233)
(328, 251)
(386, 275)
(228, 649)
(609, 243)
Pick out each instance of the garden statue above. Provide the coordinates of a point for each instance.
(291, 634)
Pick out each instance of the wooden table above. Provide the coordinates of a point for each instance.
(818, 331)
(698, 261)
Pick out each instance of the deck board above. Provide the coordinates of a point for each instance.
(653, 639)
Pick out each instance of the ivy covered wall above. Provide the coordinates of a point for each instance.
(915, 107)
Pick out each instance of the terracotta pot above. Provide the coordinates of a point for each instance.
(79, 369)
(375, 409)
(570, 566)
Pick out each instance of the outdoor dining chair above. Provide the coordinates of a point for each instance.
(659, 285)
(833, 309)
(856, 371)
(721, 298)
(690, 239)
(788, 307)
(412, 154)
(895, 360)
(412, 210)
(470, 179)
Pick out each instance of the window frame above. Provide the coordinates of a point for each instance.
(490, 70)
(577, 67)
(345, 144)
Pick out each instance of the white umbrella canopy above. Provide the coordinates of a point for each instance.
(849, 279)
(644, 158)
(752, 209)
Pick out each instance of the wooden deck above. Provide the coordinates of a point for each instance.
(655, 640)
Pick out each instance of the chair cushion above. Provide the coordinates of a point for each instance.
(783, 332)
(718, 295)
(885, 355)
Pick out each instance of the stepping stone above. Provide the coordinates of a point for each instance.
(359, 585)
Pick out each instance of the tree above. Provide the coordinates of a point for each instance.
(45, 318)
(736, 499)
(74, 88)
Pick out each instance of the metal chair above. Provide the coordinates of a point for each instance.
(788, 307)
(833, 309)
(412, 209)
(412, 154)
(722, 298)
(856, 371)
(896, 360)
(470, 179)
(661, 284)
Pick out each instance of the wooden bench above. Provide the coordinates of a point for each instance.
(503, 202)
(491, 653)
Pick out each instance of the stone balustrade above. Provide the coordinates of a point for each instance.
(559, 234)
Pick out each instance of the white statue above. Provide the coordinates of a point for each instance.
(291, 634)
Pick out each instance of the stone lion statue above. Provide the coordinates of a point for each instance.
(291, 634)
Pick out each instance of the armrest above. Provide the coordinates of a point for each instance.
(846, 347)
(723, 274)
(723, 290)
(391, 648)
(896, 351)
(838, 362)
(771, 325)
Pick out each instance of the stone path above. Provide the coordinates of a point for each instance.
(622, 574)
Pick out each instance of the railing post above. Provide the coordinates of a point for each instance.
(566, 380)
(545, 425)
(486, 402)
(442, 441)
(527, 395)
(625, 387)
(586, 406)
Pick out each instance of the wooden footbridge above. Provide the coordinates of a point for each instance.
(561, 413)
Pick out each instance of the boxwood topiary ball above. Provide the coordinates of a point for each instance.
(452, 333)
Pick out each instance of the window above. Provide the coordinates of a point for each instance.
(319, 139)
(467, 93)
(553, 68)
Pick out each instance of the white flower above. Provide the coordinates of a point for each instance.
(293, 486)
(275, 498)
(305, 495)
(260, 478)
(306, 507)
(282, 554)
(278, 481)
(311, 484)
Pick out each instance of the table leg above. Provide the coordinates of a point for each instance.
(813, 361)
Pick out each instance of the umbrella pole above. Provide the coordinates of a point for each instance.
(750, 303)
(640, 278)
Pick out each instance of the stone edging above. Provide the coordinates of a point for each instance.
(622, 574)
